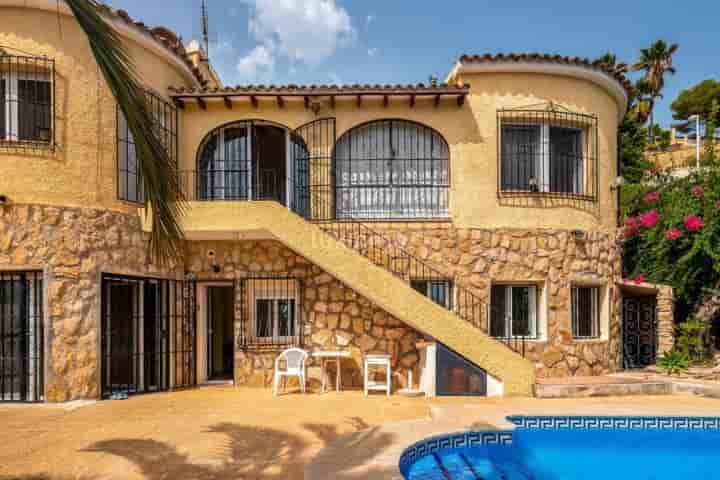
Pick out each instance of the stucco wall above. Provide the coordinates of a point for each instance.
(471, 132)
(81, 170)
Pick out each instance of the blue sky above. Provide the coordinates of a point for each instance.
(407, 41)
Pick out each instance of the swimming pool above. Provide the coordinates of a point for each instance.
(573, 448)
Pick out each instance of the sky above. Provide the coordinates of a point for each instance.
(408, 41)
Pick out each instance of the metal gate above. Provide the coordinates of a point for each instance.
(639, 331)
(148, 334)
(311, 177)
(21, 337)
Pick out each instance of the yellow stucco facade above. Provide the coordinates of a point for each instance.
(486, 239)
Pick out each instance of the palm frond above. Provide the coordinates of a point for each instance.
(163, 194)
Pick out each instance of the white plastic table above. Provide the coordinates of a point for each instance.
(325, 358)
(379, 360)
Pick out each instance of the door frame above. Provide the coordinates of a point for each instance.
(202, 372)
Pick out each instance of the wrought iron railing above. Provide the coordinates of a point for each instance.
(27, 101)
(315, 203)
(550, 152)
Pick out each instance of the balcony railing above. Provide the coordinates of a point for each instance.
(316, 203)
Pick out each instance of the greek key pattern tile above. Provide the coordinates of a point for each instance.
(454, 440)
(683, 423)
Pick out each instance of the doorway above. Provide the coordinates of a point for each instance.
(639, 331)
(220, 328)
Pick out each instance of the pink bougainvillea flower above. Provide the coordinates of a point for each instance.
(640, 279)
(649, 219)
(673, 234)
(698, 191)
(693, 223)
(651, 197)
(631, 222)
(717, 204)
(630, 231)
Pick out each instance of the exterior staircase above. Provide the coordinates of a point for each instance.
(378, 269)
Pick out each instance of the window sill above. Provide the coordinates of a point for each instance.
(529, 193)
(26, 145)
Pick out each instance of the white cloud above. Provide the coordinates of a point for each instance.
(258, 62)
(372, 52)
(306, 31)
(369, 19)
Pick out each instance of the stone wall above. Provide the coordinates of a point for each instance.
(72, 246)
(551, 259)
(332, 317)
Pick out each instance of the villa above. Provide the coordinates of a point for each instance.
(467, 229)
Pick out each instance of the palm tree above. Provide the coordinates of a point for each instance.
(164, 199)
(610, 59)
(656, 61)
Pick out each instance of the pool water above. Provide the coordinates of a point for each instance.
(547, 452)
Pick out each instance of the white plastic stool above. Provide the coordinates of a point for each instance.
(380, 360)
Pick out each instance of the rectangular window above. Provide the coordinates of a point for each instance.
(513, 311)
(270, 312)
(165, 125)
(549, 151)
(26, 99)
(585, 311)
(275, 318)
(439, 291)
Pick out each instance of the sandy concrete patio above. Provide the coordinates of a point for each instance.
(209, 433)
(243, 433)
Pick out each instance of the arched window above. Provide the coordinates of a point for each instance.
(391, 169)
(224, 164)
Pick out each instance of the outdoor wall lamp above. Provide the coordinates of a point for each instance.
(212, 256)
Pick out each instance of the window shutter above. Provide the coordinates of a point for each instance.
(2, 109)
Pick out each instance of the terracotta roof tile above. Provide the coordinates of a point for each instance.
(615, 71)
(160, 34)
(293, 89)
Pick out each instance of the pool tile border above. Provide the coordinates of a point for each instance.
(434, 444)
(620, 422)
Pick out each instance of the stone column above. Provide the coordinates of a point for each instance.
(665, 319)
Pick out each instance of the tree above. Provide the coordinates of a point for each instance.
(696, 100)
(163, 194)
(656, 61)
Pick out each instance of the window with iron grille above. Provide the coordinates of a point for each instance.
(585, 312)
(26, 100)
(513, 311)
(552, 152)
(390, 169)
(270, 311)
(164, 115)
(439, 291)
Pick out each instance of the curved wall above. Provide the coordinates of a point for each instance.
(81, 169)
(471, 132)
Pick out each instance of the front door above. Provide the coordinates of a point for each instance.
(221, 315)
(639, 331)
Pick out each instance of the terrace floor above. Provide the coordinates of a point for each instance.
(240, 433)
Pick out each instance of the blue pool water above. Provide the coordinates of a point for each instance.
(573, 448)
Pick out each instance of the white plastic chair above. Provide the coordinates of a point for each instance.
(294, 367)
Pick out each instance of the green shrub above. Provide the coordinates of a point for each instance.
(673, 362)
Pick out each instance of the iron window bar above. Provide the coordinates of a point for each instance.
(27, 101)
(21, 337)
(165, 123)
(550, 152)
(148, 334)
(271, 312)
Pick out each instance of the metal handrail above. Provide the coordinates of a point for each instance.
(317, 207)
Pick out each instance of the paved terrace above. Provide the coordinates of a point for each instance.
(230, 433)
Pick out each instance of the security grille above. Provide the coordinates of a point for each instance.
(21, 337)
(148, 334)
